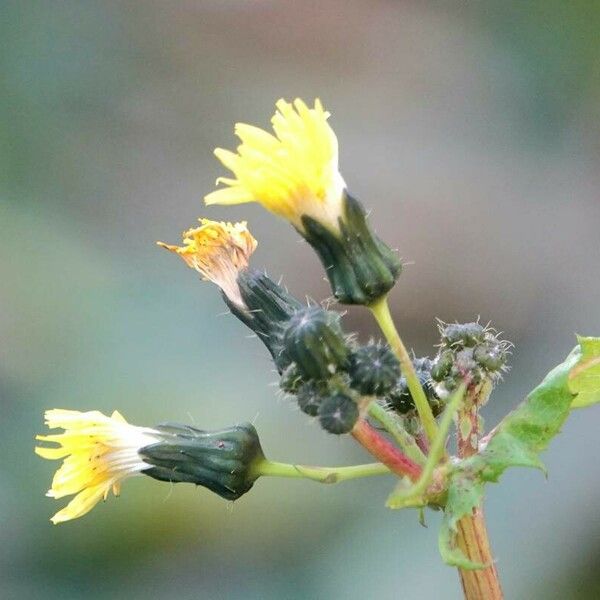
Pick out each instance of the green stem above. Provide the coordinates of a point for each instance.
(397, 431)
(436, 452)
(381, 311)
(320, 474)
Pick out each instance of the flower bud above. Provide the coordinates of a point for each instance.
(469, 352)
(338, 413)
(309, 397)
(360, 267)
(290, 380)
(314, 340)
(462, 334)
(442, 365)
(374, 370)
(223, 461)
(400, 398)
(449, 385)
(464, 363)
(268, 307)
(491, 356)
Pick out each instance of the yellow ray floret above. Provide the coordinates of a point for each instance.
(218, 251)
(99, 452)
(291, 173)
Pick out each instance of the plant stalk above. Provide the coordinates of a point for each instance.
(384, 451)
(396, 430)
(320, 474)
(472, 536)
(472, 539)
(436, 453)
(381, 312)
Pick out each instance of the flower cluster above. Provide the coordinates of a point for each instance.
(398, 407)
(345, 385)
(400, 398)
(294, 173)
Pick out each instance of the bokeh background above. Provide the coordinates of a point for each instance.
(471, 130)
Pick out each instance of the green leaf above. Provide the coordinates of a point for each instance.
(584, 378)
(465, 493)
(525, 432)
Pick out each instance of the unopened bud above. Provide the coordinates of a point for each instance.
(400, 398)
(491, 355)
(309, 397)
(268, 306)
(338, 413)
(290, 380)
(442, 365)
(374, 370)
(462, 334)
(314, 340)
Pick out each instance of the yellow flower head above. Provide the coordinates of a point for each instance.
(218, 251)
(292, 173)
(98, 451)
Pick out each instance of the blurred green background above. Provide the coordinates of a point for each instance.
(472, 132)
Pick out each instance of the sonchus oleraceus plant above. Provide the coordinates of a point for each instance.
(399, 407)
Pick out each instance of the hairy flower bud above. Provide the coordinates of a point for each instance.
(374, 369)
(360, 267)
(338, 413)
(314, 340)
(309, 397)
(469, 352)
(268, 307)
(491, 355)
(400, 398)
(442, 365)
(290, 380)
(462, 334)
(223, 461)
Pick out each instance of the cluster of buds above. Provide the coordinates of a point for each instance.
(307, 344)
(319, 355)
(332, 377)
(468, 351)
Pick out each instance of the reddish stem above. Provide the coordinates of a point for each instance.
(472, 539)
(385, 451)
(422, 442)
(472, 536)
